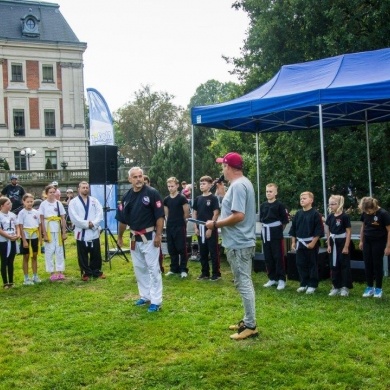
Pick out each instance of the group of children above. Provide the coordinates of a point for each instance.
(306, 230)
(48, 223)
(177, 211)
(31, 226)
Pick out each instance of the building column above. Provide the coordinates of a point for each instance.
(2, 102)
(78, 96)
(67, 94)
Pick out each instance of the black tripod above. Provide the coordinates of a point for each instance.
(108, 255)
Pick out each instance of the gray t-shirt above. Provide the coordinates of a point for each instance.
(240, 197)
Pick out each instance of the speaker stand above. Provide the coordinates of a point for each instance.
(107, 232)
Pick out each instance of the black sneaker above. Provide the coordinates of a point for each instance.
(214, 278)
(203, 277)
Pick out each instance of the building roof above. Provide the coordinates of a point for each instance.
(51, 25)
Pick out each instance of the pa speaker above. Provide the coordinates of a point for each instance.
(103, 164)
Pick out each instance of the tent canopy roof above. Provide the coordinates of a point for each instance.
(348, 87)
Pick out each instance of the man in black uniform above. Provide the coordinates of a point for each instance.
(14, 192)
(142, 210)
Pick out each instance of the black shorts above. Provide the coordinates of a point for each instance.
(34, 246)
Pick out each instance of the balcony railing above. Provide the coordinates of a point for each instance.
(70, 176)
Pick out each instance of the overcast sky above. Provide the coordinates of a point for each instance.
(172, 45)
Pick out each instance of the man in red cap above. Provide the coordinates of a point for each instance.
(238, 230)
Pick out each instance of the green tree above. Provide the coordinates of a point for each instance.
(147, 123)
(173, 159)
(291, 31)
(48, 165)
(4, 164)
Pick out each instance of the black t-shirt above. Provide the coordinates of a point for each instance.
(375, 224)
(140, 209)
(15, 194)
(307, 224)
(175, 210)
(273, 212)
(205, 206)
(339, 224)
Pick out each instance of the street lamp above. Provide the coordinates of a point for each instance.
(28, 153)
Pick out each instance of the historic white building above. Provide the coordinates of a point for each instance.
(41, 88)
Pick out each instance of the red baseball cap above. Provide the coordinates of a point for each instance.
(232, 159)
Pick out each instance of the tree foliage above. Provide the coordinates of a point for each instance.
(173, 159)
(147, 123)
(290, 31)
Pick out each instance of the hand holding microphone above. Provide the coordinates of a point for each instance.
(216, 182)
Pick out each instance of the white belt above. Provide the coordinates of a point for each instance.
(202, 232)
(302, 241)
(333, 237)
(266, 231)
(8, 247)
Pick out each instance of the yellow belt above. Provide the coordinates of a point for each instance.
(50, 219)
(30, 232)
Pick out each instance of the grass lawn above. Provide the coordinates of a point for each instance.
(89, 335)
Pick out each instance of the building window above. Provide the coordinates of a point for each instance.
(20, 161)
(50, 123)
(30, 25)
(19, 129)
(17, 72)
(51, 159)
(47, 74)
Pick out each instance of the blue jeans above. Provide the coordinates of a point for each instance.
(240, 261)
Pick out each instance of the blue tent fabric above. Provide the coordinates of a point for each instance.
(348, 87)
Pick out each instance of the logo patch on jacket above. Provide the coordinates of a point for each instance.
(158, 204)
(146, 200)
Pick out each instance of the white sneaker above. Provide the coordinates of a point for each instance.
(169, 273)
(270, 283)
(301, 289)
(281, 285)
(310, 290)
(334, 292)
(28, 282)
(183, 275)
(344, 292)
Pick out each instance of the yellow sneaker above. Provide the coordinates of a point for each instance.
(244, 333)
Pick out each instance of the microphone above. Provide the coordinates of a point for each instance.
(219, 180)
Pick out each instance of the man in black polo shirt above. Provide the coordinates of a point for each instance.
(143, 211)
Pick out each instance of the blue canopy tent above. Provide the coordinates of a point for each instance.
(349, 89)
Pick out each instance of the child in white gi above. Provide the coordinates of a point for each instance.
(9, 233)
(31, 238)
(53, 226)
